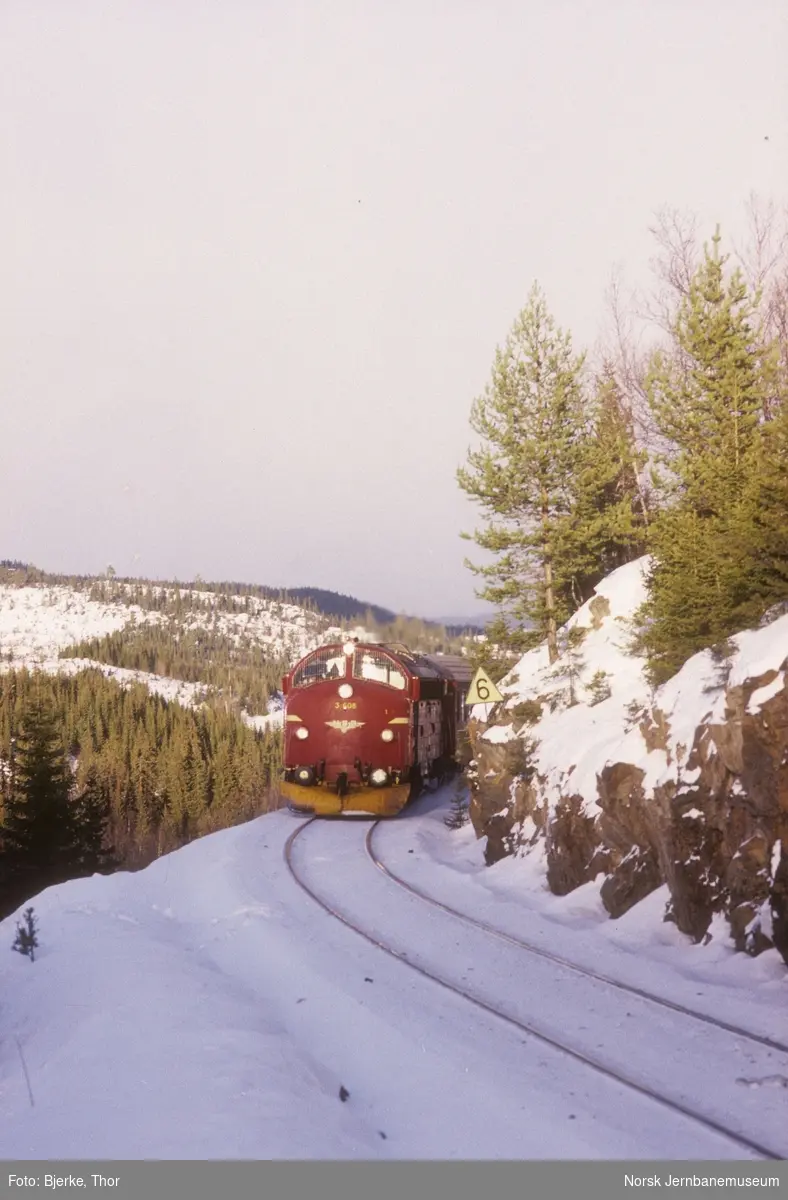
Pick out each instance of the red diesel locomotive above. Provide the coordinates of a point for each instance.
(366, 724)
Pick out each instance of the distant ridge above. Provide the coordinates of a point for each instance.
(337, 605)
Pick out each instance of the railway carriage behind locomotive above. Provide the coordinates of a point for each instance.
(366, 725)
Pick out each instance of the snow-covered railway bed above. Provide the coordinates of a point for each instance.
(566, 964)
(686, 1080)
(641, 950)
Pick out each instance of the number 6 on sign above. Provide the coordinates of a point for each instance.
(482, 690)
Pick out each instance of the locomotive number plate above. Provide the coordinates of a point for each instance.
(345, 704)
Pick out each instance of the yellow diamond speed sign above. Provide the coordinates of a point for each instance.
(482, 690)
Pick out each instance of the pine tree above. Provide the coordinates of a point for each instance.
(607, 522)
(530, 419)
(707, 399)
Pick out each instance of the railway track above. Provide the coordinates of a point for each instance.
(567, 964)
(586, 1059)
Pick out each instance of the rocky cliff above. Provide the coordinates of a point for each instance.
(686, 786)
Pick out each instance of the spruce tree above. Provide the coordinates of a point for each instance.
(91, 810)
(530, 419)
(26, 940)
(39, 832)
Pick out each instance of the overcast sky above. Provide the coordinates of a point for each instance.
(257, 256)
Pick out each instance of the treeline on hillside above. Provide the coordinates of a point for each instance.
(679, 451)
(198, 595)
(177, 600)
(243, 672)
(165, 596)
(159, 773)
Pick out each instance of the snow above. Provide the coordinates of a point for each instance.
(37, 622)
(578, 739)
(273, 719)
(760, 650)
(762, 694)
(500, 733)
(206, 1008)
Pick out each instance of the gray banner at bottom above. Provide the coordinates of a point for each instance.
(493, 1180)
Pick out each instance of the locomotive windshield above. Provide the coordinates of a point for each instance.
(371, 664)
(323, 664)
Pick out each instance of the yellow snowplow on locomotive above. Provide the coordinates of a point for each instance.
(365, 726)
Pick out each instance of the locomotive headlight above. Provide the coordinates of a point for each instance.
(349, 647)
(379, 777)
(302, 733)
(387, 735)
(345, 691)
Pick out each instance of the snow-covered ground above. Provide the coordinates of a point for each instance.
(207, 1008)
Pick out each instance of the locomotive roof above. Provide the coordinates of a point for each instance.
(417, 664)
(434, 666)
(455, 665)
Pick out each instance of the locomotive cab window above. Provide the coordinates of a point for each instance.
(373, 665)
(324, 664)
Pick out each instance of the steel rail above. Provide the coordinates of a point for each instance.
(522, 1026)
(568, 964)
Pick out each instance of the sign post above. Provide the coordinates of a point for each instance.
(482, 691)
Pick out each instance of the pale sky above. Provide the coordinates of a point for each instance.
(257, 256)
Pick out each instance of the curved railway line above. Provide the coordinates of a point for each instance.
(521, 1026)
(567, 964)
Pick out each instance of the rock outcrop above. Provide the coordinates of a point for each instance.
(686, 787)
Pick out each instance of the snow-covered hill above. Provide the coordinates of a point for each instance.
(37, 622)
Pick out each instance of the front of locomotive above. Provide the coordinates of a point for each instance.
(347, 732)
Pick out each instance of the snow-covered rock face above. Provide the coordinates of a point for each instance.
(686, 786)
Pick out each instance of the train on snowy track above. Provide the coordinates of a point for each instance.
(368, 725)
